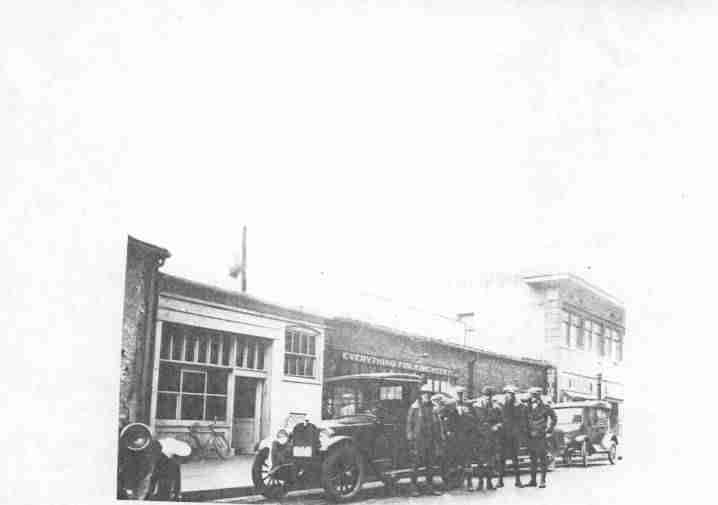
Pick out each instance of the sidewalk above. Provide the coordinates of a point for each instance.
(208, 474)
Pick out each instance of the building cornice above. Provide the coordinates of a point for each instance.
(556, 278)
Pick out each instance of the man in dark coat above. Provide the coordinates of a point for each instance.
(423, 432)
(540, 421)
(489, 422)
(466, 436)
(513, 427)
(446, 450)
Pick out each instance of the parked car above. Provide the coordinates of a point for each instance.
(362, 436)
(587, 430)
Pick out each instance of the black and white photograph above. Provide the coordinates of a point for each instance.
(371, 252)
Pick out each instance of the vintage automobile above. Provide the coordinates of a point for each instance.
(362, 437)
(587, 430)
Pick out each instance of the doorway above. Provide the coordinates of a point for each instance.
(247, 409)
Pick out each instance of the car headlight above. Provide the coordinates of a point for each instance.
(324, 435)
(282, 437)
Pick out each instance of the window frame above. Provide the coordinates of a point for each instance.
(294, 338)
(181, 393)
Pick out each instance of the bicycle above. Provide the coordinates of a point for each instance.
(215, 443)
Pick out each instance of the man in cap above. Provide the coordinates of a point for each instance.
(423, 432)
(513, 415)
(540, 420)
(466, 436)
(446, 412)
(489, 422)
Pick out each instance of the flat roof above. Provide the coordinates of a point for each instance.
(567, 276)
(438, 341)
(172, 284)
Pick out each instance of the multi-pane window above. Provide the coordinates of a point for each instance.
(575, 329)
(191, 393)
(590, 335)
(566, 327)
(194, 369)
(300, 353)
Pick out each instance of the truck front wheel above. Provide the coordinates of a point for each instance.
(343, 473)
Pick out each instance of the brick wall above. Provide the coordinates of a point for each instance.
(488, 369)
(137, 324)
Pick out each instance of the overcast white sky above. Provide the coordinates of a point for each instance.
(385, 147)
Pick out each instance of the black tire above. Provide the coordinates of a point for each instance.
(584, 454)
(271, 488)
(613, 453)
(343, 473)
(221, 446)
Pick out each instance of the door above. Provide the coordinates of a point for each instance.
(246, 412)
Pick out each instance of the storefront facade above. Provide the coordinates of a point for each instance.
(228, 359)
(354, 346)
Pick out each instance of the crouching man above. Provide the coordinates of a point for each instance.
(423, 432)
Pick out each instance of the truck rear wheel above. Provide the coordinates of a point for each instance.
(343, 473)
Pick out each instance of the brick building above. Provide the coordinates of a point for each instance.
(194, 353)
(559, 318)
(140, 305)
(354, 346)
(232, 357)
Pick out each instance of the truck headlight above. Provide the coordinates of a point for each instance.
(282, 437)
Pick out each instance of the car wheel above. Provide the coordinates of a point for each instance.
(343, 473)
(221, 447)
(612, 453)
(584, 454)
(268, 485)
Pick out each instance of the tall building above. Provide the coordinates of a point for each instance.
(562, 319)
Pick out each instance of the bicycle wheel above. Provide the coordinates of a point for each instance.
(221, 446)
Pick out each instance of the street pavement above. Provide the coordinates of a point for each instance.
(598, 483)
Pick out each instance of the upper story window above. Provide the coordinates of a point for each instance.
(201, 346)
(566, 327)
(590, 335)
(300, 353)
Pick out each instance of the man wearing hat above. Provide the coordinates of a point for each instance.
(445, 408)
(466, 436)
(489, 422)
(423, 432)
(513, 425)
(540, 420)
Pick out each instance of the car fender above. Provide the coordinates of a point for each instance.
(334, 441)
(580, 438)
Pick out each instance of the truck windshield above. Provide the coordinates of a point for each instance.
(569, 416)
(346, 400)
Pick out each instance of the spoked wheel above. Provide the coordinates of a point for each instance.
(268, 485)
(584, 454)
(613, 453)
(343, 473)
(221, 447)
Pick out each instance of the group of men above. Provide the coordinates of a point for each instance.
(477, 438)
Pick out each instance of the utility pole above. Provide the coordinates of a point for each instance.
(240, 267)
